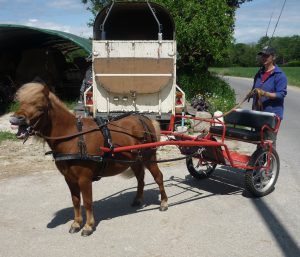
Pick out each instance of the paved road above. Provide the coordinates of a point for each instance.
(213, 217)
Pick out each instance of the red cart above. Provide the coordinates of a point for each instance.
(206, 150)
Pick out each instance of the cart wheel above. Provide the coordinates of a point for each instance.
(261, 182)
(199, 169)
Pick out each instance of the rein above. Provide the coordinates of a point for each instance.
(31, 129)
(247, 97)
(68, 136)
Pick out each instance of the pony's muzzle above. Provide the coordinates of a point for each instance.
(19, 123)
(17, 120)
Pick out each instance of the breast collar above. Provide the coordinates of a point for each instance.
(82, 154)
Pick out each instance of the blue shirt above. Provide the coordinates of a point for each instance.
(275, 83)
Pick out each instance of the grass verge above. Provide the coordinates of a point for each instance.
(4, 135)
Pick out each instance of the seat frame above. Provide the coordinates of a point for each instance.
(253, 126)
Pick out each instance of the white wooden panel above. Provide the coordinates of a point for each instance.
(158, 102)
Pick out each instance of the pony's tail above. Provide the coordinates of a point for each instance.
(156, 129)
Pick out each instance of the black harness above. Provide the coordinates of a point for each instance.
(82, 154)
(107, 156)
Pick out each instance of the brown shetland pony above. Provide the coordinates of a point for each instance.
(43, 113)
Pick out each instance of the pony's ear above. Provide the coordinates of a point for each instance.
(46, 90)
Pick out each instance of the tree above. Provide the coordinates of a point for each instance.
(287, 52)
(287, 48)
(203, 31)
(242, 55)
(236, 3)
(96, 5)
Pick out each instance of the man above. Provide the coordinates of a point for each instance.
(270, 85)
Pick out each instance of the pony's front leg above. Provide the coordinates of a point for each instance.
(85, 185)
(75, 193)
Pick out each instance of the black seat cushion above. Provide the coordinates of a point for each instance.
(236, 133)
(250, 118)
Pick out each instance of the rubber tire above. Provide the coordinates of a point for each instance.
(249, 183)
(198, 174)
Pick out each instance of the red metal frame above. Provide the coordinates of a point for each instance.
(234, 159)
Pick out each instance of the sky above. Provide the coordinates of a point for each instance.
(65, 15)
(71, 16)
(252, 20)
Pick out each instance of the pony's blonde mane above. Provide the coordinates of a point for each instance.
(35, 92)
(54, 99)
(30, 92)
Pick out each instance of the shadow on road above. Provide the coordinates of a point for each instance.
(110, 207)
(284, 239)
(118, 204)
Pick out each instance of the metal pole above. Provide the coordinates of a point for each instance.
(103, 34)
(155, 17)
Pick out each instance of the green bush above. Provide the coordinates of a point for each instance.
(215, 91)
(70, 103)
(13, 107)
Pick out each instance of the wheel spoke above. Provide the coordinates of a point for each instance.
(257, 176)
(269, 175)
(260, 181)
(262, 162)
(261, 185)
(208, 167)
(257, 180)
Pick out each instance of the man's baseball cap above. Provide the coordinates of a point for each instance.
(267, 50)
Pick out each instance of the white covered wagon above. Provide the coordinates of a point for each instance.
(134, 61)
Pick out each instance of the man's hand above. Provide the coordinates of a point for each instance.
(259, 92)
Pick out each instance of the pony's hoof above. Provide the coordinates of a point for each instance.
(163, 208)
(74, 230)
(86, 232)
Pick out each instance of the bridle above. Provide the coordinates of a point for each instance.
(32, 129)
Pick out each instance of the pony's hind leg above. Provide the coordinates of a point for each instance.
(158, 177)
(75, 193)
(139, 172)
